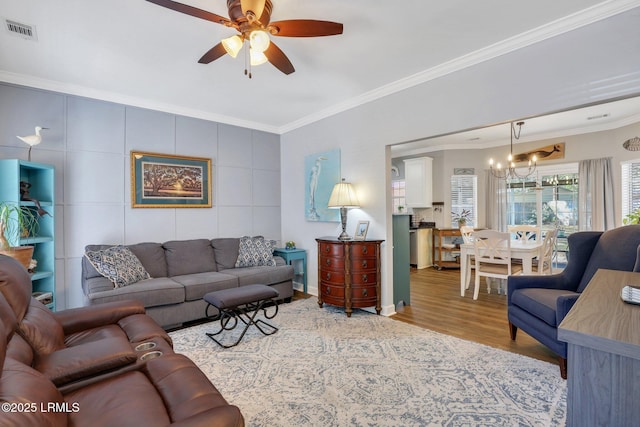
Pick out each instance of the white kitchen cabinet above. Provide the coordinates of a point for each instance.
(418, 179)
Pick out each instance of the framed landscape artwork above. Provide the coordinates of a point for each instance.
(322, 172)
(170, 181)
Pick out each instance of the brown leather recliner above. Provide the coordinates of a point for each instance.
(77, 343)
(100, 380)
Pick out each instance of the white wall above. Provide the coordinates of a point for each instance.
(597, 62)
(89, 143)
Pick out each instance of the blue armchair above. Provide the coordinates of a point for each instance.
(537, 304)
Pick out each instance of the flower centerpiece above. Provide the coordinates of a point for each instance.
(461, 217)
(290, 245)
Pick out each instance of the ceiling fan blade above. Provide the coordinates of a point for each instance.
(278, 59)
(255, 6)
(305, 28)
(212, 54)
(193, 11)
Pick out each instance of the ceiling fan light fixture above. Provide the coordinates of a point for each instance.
(259, 40)
(232, 45)
(257, 57)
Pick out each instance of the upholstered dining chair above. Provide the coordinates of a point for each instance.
(492, 252)
(525, 233)
(544, 262)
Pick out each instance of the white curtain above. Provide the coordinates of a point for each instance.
(496, 203)
(595, 195)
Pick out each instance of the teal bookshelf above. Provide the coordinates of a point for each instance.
(41, 177)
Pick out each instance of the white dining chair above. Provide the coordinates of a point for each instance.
(545, 259)
(466, 231)
(525, 233)
(492, 252)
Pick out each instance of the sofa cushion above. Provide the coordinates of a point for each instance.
(189, 256)
(152, 257)
(196, 285)
(255, 251)
(118, 264)
(150, 293)
(226, 250)
(539, 302)
(261, 275)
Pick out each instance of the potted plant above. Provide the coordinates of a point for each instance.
(17, 222)
(461, 217)
(632, 218)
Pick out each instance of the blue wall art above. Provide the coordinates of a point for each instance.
(322, 172)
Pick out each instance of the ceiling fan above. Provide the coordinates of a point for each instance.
(251, 18)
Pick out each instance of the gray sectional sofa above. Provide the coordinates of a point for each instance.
(181, 273)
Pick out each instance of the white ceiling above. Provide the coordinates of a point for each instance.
(138, 53)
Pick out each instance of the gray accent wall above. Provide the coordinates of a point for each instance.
(89, 143)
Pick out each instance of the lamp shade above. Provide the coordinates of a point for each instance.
(343, 196)
(232, 45)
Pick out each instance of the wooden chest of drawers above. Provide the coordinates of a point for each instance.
(349, 273)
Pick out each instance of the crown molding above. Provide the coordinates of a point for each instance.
(560, 26)
(70, 89)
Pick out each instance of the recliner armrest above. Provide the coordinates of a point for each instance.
(82, 318)
(86, 360)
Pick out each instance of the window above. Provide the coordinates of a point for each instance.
(549, 199)
(464, 196)
(630, 187)
(397, 196)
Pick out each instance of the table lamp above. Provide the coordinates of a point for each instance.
(343, 197)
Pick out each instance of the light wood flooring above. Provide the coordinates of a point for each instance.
(436, 304)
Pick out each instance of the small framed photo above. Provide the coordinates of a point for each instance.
(361, 230)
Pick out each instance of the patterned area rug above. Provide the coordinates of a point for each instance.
(324, 369)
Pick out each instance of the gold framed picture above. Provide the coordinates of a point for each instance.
(170, 181)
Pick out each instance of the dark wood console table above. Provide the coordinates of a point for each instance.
(349, 273)
(603, 336)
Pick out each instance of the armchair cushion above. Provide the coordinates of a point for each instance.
(541, 303)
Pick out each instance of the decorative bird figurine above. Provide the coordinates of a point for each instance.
(32, 140)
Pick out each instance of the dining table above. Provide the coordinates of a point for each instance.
(523, 250)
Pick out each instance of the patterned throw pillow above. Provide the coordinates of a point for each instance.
(255, 251)
(118, 264)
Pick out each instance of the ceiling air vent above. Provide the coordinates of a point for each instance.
(21, 30)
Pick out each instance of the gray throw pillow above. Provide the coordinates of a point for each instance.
(118, 264)
(255, 251)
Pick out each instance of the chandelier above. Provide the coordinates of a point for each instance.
(510, 171)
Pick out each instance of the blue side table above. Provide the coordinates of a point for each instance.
(290, 255)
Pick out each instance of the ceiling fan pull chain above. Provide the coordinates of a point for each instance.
(246, 54)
